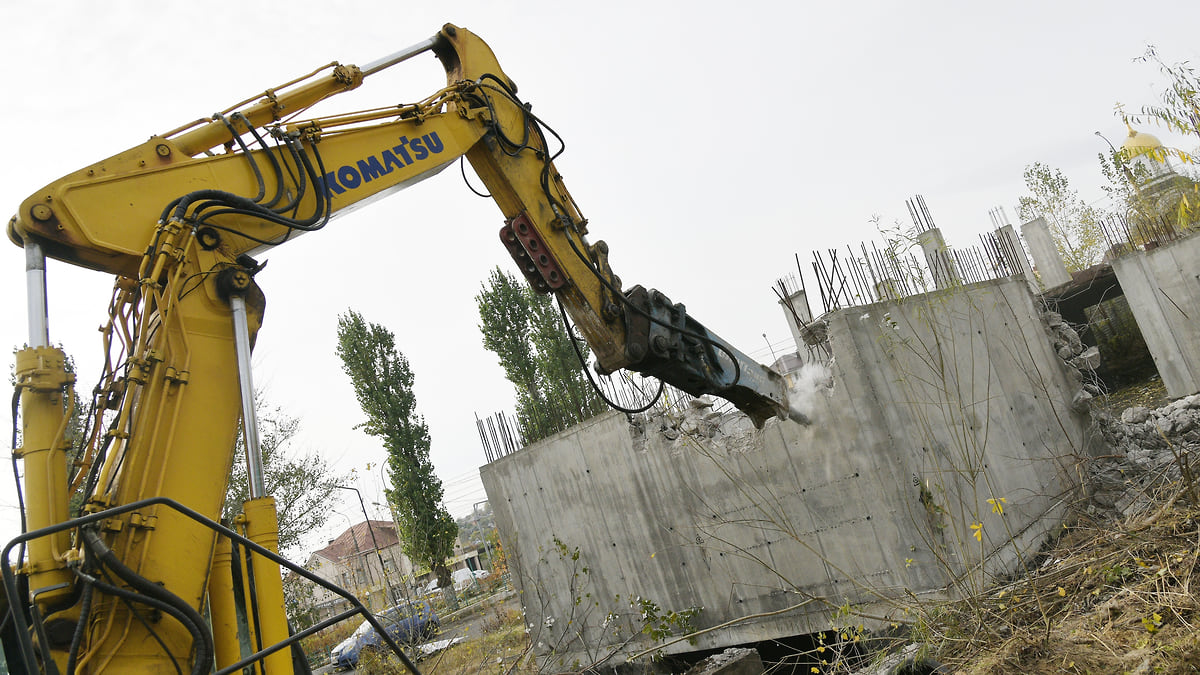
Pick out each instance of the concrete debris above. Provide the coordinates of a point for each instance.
(1151, 450)
(1065, 340)
(697, 421)
(904, 662)
(1082, 362)
(732, 661)
(1089, 359)
(1082, 401)
(727, 432)
(815, 333)
(1135, 415)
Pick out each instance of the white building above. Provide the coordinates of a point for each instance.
(367, 561)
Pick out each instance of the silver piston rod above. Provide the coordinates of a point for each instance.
(35, 285)
(397, 57)
(241, 338)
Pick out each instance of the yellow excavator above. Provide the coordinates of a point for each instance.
(122, 566)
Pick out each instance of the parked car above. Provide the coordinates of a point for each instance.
(406, 624)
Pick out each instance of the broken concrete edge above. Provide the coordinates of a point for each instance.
(732, 661)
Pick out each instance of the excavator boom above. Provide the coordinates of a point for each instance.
(178, 219)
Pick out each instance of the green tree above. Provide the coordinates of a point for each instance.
(383, 383)
(525, 330)
(298, 598)
(1178, 199)
(1073, 224)
(1180, 109)
(1141, 199)
(301, 484)
(1123, 180)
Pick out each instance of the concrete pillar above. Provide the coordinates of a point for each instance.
(1049, 264)
(798, 302)
(1162, 286)
(937, 256)
(1014, 254)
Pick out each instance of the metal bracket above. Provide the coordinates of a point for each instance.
(527, 247)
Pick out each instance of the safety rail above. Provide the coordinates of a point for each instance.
(22, 627)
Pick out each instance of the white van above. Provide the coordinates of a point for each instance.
(464, 577)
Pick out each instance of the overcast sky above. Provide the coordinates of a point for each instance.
(708, 147)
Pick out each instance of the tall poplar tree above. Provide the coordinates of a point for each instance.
(383, 383)
(525, 330)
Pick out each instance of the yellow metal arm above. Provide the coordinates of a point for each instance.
(105, 215)
(174, 216)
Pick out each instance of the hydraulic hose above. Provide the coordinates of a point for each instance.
(163, 599)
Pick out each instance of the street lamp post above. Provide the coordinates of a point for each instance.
(357, 550)
(406, 583)
(1119, 159)
(486, 548)
(382, 568)
(409, 585)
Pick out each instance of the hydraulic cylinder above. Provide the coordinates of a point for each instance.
(45, 386)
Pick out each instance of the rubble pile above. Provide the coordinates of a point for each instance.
(1153, 450)
(1082, 360)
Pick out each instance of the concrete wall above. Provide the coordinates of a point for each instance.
(1163, 289)
(936, 404)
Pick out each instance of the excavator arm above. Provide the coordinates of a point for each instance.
(105, 215)
(178, 219)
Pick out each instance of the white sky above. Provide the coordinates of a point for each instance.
(708, 147)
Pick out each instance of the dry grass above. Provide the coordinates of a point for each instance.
(500, 646)
(1109, 598)
(1150, 394)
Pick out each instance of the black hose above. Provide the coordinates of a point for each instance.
(85, 608)
(16, 408)
(251, 586)
(237, 138)
(208, 203)
(162, 599)
(237, 116)
(128, 598)
(586, 371)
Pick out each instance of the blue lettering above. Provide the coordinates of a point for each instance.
(419, 150)
(400, 150)
(349, 177)
(371, 168)
(433, 142)
(390, 161)
(331, 184)
(365, 170)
